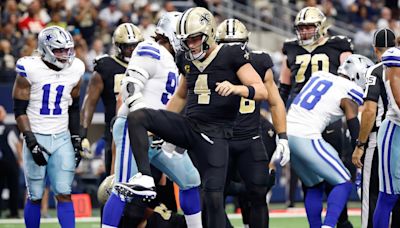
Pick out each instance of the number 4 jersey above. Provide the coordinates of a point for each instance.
(318, 104)
(50, 94)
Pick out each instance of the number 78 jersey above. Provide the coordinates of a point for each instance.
(50, 93)
(318, 104)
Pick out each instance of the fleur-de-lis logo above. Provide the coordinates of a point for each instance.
(205, 19)
(187, 68)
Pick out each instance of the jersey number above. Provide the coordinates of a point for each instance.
(304, 61)
(45, 100)
(169, 87)
(247, 106)
(308, 99)
(201, 89)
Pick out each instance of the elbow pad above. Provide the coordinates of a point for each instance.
(131, 87)
(20, 107)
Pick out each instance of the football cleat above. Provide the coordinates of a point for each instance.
(139, 185)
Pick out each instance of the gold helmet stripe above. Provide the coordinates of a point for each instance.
(183, 21)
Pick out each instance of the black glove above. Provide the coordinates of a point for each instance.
(77, 144)
(36, 149)
(271, 179)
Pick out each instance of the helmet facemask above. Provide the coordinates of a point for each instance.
(200, 49)
(306, 35)
(125, 38)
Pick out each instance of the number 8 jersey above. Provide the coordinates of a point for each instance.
(50, 93)
(318, 104)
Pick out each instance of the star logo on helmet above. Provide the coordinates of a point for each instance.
(49, 37)
(205, 19)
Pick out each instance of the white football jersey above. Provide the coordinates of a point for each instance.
(159, 63)
(391, 58)
(318, 104)
(50, 95)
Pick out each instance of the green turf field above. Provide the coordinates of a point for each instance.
(237, 222)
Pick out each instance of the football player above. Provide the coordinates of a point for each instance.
(155, 61)
(246, 149)
(325, 98)
(374, 108)
(389, 142)
(46, 107)
(215, 77)
(107, 71)
(313, 50)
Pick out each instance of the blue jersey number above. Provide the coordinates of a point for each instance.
(45, 100)
(169, 87)
(310, 99)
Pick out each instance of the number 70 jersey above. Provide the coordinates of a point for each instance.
(50, 93)
(318, 104)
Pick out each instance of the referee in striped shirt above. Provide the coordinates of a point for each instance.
(365, 154)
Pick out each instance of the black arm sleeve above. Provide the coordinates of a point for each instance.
(354, 127)
(284, 91)
(73, 113)
(20, 107)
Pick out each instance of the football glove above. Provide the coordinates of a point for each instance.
(77, 144)
(282, 152)
(85, 144)
(36, 149)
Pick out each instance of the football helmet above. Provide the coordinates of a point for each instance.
(194, 22)
(56, 46)
(355, 68)
(125, 38)
(105, 188)
(166, 26)
(232, 30)
(314, 17)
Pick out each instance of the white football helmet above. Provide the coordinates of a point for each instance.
(125, 38)
(166, 26)
(105, 188)
(232, 30)
(311, 16)
(355, 68)
(56, 46)
(194, 22)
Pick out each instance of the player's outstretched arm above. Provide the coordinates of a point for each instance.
(178, 100)
(252, 86)
(93, 91)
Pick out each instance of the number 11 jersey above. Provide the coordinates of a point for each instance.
(318, 104)
(50, 95)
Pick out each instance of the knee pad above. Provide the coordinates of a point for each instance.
(192, 178)
(213, 200)
(257, 195)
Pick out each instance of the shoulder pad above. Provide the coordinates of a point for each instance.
(150, 49)
(356, 93)
(391, 57)
(290, 40)
(20, 67)
(100, 57)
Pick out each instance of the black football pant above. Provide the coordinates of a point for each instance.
(249, 158)
(210, 154)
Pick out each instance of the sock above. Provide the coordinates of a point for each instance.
(190, 204)
(383, 208)
(66, 214)
(313, 205)
(32, 214)
(113, 210)
(336, 201)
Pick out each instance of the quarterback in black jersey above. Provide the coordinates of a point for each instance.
(314, 51)
(247, 153)
(215, 77)
(105, 81)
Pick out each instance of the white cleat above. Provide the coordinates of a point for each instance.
(139, 185)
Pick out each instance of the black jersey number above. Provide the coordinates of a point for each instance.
(201, 89)
(304, 61)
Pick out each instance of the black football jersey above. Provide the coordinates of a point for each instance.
(247, 124)
(376, 92)
(204, 105)
(325, 57)
(112, 71)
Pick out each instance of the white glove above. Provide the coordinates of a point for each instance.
(282, 152)
(86, 150)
